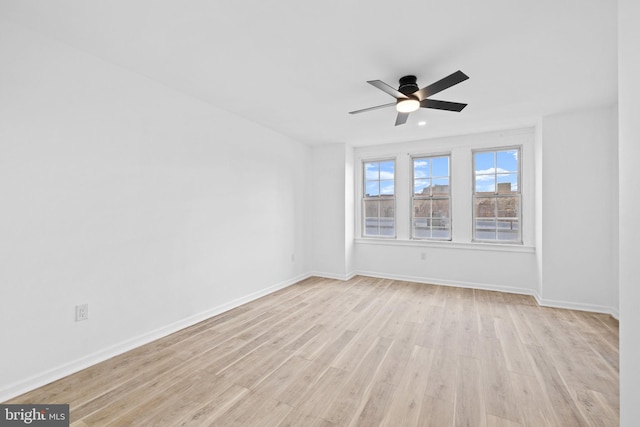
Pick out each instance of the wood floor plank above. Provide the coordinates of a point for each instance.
(513, 350)
(315, 401)
(286, 376)
(406, 407)
(493, 421)
(375, 408)
(442, 375)
(469, 397)
(354, 391)
(298, 388)
(366, 352)
(533, 403)
(253, 410)
(499, 399)
(216, 404)
(429, 333)
(596, 408)
(298, 419)
(553, 386)
(394, 365)
(522, 327)
(435, 412)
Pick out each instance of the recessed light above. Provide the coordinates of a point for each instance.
(422, 123)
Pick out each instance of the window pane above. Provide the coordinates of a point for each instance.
(440, 186)
(440, 223)
(371, 226)
(372, 171)
(507, 160)
(484, 162)
(498, 218)
(387, 187)
(371, 208)
(372, 188)
(508, 230)
(440, 166)
(421, 187)
(485, 229)
(508, 221)
(387, 218)
(387, 227)
(387, 208)
(421, 228)
(421, 208)
(440, 208)
(440, 229)
(485, 184)
(421, 168)
(507, 183)
(379, 213)
(431, 210)
(485, 211)
(508, 207)
(497, 209)
(485, 207)
(387, 170)
(431, 219)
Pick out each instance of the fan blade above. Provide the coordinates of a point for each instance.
(388, 89)
(402, 118)
(440, 85)
(372, 108)
(442, 105)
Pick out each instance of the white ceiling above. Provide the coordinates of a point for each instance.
(298, 67)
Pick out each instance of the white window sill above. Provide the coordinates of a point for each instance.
(443, 244)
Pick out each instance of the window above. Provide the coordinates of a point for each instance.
(496, 195)
(431, 205)
(378, 201)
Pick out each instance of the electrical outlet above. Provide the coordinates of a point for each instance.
(82, 312)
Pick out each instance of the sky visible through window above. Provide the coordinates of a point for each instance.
(492, 168)
(380, 178)
(427, 172)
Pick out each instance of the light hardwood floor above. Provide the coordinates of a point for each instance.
(365, 352)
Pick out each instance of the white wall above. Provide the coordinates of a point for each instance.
(349, 214)
(629, 153)
(155, 209)
(332, 210)
(482, 268)
(579, 210)
(539, 229)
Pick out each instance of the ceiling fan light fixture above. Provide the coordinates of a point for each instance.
(407, 105)
(409, 98)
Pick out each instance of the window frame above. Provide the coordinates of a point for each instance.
(497, 195)
(364, 198)
(431, 198)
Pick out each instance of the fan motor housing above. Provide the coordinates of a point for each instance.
(408, 85)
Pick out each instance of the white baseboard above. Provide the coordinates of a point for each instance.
(12, 390)
(444, 282)
(579, 306)
(347, 276)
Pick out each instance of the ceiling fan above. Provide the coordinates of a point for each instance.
(409, 98)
